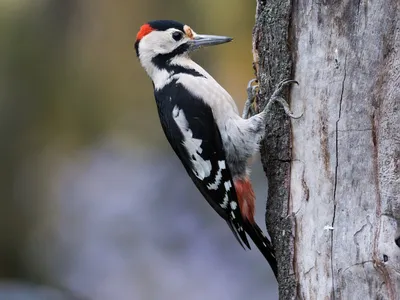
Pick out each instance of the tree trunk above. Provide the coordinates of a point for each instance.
(333, 209)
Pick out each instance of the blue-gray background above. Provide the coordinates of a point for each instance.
(92, 200)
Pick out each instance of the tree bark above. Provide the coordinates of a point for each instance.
(333, 209)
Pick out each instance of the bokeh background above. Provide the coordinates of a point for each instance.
(93, 202)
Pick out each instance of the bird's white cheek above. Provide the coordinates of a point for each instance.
(161, 49)
(164, 47)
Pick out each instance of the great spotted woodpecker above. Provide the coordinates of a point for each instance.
(202, 124)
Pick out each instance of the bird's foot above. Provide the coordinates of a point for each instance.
(250, 106)
(276, 97)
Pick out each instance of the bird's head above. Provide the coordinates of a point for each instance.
(166, 39)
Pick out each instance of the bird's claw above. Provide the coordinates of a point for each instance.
(286, 107)
(250, 106)
(281, 85)
(252, 89)
(276, 97)
(250, 86)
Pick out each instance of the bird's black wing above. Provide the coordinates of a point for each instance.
(190, 128)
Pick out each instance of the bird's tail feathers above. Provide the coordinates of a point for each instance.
(246, 200)
(240, 235)
(263, 244)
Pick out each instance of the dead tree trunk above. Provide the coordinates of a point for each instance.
(333, 207)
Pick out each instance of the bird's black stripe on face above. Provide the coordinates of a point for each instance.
(163, 61)
(179, 70)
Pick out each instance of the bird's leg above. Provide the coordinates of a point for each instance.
(249, 107)
(250, 104)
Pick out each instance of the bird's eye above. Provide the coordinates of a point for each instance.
(177, 35)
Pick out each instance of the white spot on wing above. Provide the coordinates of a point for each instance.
(225, 203)
(202, 168)
(233, 205)
(227, 185)
(218, 177)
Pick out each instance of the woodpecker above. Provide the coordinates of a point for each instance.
(202, 124)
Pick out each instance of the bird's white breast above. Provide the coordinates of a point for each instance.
(211, 93)
(205, 88)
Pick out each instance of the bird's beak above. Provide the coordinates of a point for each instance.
(204, 40)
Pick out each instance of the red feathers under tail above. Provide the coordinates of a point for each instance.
(246, 198)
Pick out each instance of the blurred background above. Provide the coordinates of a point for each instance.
(93, 202)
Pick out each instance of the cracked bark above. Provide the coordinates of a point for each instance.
(339, 165)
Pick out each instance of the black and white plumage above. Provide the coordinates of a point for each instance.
(202, 123)
(195, 138)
